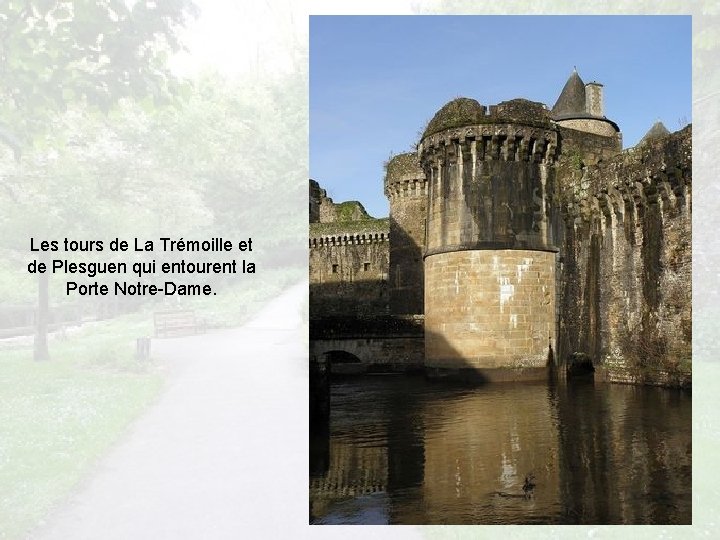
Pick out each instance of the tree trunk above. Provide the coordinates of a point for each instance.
(40, 351)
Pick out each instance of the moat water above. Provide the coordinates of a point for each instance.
(403, 450)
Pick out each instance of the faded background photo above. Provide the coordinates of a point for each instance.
(139, 119)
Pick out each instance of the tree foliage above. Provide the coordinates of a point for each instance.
(99, 156)
(54, 53)
(57, 52)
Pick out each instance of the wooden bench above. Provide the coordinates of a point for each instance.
(177, 322)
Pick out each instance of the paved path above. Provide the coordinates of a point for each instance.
(221, 454)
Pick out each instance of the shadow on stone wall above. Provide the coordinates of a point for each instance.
(362, 298)
(406, 276)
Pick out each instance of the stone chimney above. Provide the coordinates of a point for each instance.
(594, 99)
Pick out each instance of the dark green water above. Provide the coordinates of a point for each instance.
(408, 451)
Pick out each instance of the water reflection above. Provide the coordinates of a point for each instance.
(402, 450)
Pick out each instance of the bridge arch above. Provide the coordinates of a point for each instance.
(340, 356)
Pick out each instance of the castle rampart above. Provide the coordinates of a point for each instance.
(526, 238)
(625, 300)
(349, 259)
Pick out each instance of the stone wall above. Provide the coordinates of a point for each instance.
(490, 309)
(315, 197)
(590, 125)
(387, 354)
(379, 343)
(617, 371)
(626, 261)
(349, 259)
(348, 270)
(586, 149)
(324, 210)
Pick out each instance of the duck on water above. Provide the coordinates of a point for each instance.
(528, 489)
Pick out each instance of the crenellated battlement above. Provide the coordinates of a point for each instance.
(493, 142)
(404, 177)
(348, 240)
(410, 187)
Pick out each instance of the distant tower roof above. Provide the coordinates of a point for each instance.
(657, 131)
(572, 97)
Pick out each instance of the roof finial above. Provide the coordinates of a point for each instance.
(575, 69)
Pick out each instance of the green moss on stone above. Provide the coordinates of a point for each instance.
(468, 112)
(456, 113)
(351, 211)
(365, 226)
(524, 111)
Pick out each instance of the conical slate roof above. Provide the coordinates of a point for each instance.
(657, 131)
(572, 97)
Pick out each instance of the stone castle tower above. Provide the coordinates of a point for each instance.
(525, 236)
(407, 190)
(490, 249)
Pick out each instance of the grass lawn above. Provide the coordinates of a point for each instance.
(58, 417)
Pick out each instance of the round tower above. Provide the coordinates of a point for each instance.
(406, 189)
(490, 255)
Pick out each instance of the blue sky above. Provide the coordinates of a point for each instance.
(376, 81)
